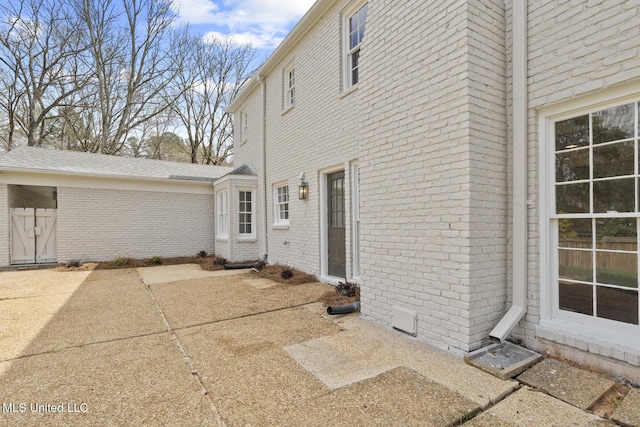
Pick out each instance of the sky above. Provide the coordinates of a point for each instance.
(262, 23)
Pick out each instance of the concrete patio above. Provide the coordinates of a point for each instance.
(176, 345)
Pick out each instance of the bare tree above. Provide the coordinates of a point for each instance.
(214, 72)
(41, 56)
(130, 54)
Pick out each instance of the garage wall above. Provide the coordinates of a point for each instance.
(4, 225)
(102, 224)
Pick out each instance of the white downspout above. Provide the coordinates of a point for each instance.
(519, 172)
(263, 84)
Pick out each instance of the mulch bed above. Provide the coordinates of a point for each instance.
(345, 293)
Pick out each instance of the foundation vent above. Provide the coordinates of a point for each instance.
(405, 320)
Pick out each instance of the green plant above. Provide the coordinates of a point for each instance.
(156, 260)
(118, 262)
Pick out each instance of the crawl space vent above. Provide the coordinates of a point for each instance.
(404, 319)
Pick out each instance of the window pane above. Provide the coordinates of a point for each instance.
(572, 198)
(615, 195)
(247, 195)
(354, 66)
(617, 304)
(617, 234)
(572, 165)
(613, 124)
(575, 265)
(576, 297)
(614, 268)
(613, 160)
(572, 133)
(575, 233)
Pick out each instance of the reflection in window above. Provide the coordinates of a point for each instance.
(596, 191)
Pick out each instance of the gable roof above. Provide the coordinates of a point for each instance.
(79, 163)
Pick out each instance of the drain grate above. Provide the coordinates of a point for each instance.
(504, 360)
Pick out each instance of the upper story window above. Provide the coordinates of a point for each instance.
(290, 87)
(244, 126)
(222, 208)
(354, 35)
(281, 208)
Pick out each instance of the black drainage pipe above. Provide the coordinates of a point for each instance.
(238, 266)
(344, 309)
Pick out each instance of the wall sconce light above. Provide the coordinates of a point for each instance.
(303, 191)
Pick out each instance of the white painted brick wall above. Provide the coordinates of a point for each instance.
(576, 48)
(427, 124)
(4, 225)
(316, 134)
(102, 224)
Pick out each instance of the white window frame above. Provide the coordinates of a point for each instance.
(252, 212)
(550, 315)
(289, 77)
(244, 126)
(222, 209)
(348, 50)
(278, 220)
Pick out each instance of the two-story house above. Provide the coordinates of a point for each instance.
(474, 166)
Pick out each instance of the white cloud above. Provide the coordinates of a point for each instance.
(255, 39)
(263, 23)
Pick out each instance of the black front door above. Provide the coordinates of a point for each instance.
(337, 256)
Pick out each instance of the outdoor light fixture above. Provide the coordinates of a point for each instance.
(303, 191)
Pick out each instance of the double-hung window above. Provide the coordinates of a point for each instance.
(246, 214)
(222, 209)
(595, 214)
(244, 126)
(281, 208)
(290, 87)
(354, 35)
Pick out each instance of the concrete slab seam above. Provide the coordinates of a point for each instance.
(185, 356)
(244, 316)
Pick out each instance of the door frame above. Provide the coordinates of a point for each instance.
(324, 250)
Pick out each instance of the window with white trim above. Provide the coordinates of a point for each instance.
(223, 215)
(244, 126)
(289, 87)
(281, 205)
(246, 214)
(595, 214)
(354, 26)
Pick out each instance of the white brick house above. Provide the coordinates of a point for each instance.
(474, 164)
(93, 207)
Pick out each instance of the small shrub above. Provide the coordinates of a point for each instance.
(74, 263)
(118, 262)
(286, 273)
(219, 260)
(156, 260)
(347, 289)
(202, 254)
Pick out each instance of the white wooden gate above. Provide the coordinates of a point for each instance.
(33, 235)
